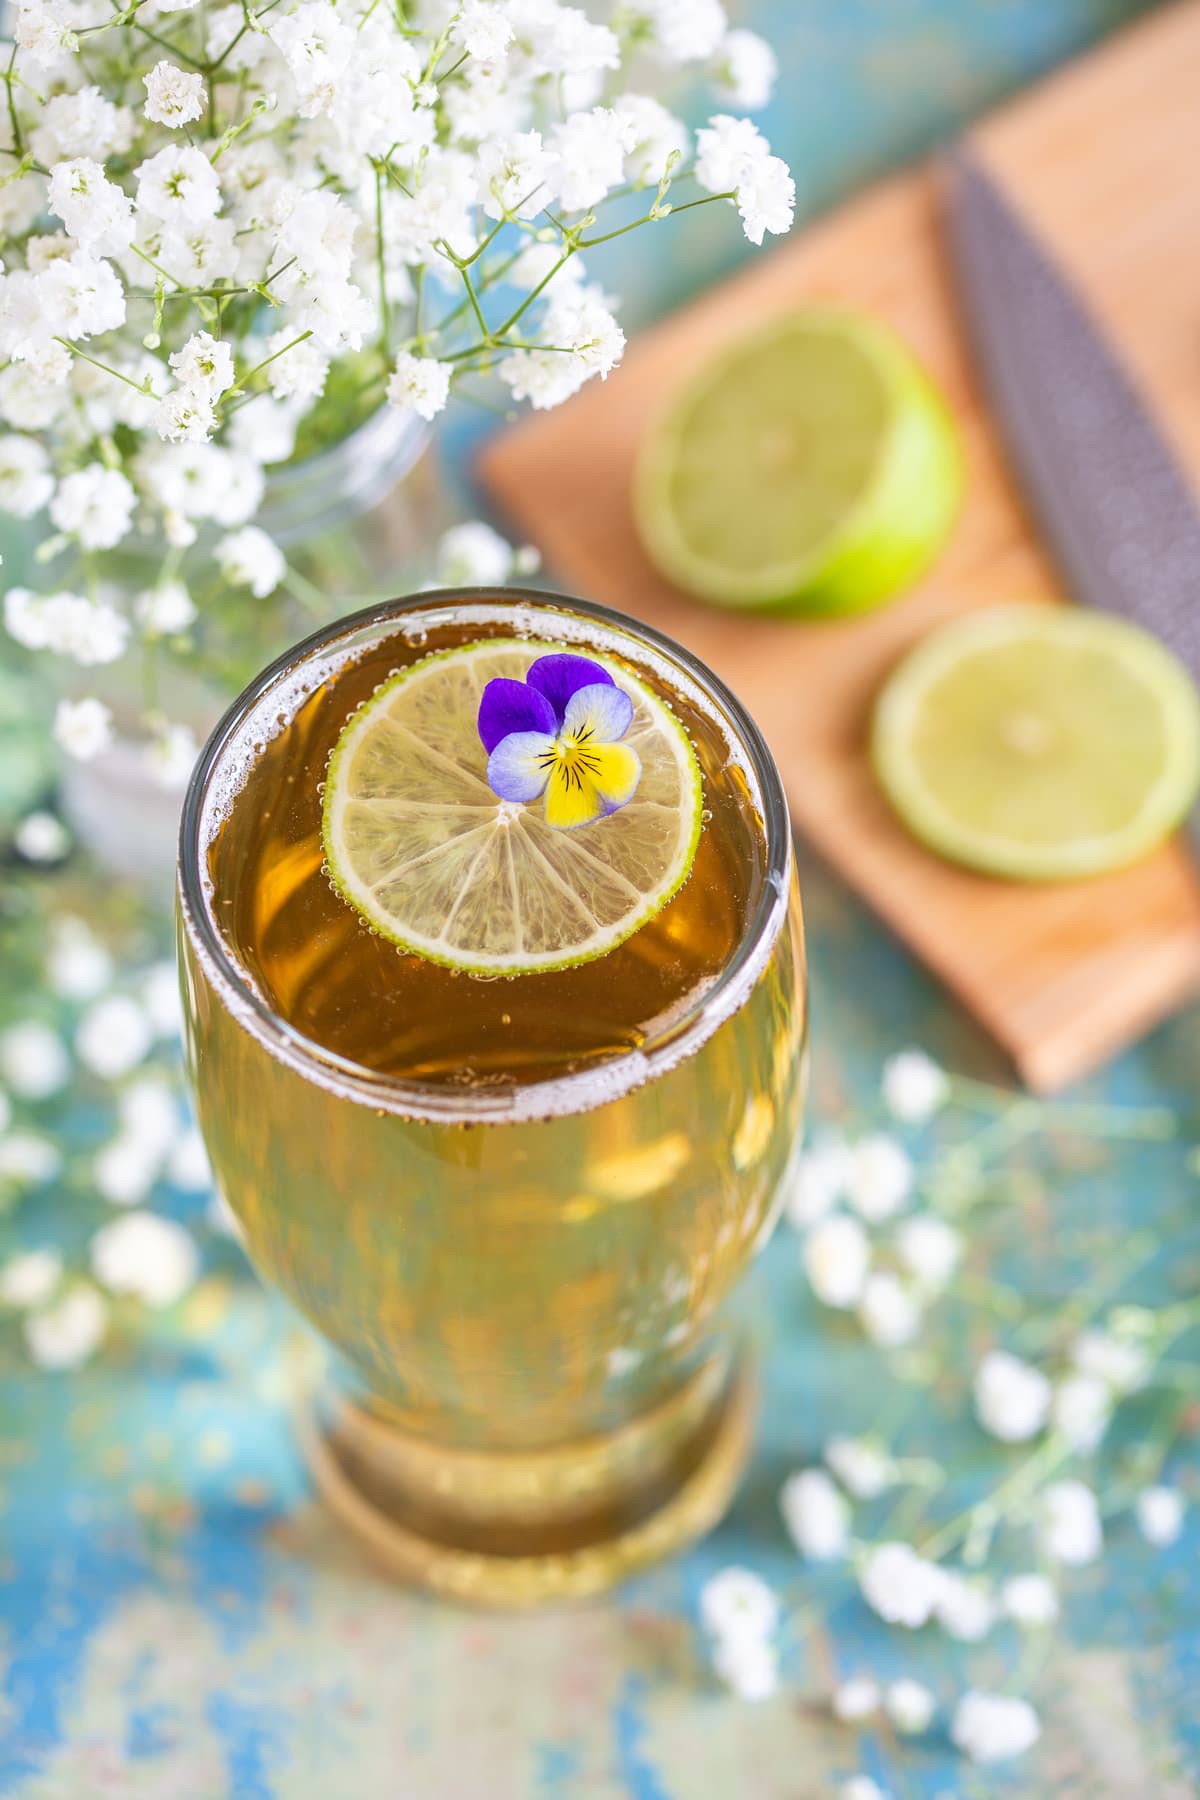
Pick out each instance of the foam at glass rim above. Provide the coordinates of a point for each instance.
(584, 1091)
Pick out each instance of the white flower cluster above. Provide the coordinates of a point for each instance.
(253, 211)
(741, 1614)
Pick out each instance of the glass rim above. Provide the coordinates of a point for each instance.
(583, 1089)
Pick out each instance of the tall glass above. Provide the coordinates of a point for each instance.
(532, 1390)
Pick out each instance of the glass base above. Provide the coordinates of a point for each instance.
(520, 1529)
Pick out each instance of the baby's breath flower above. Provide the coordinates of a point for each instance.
(818, 1181)
(737, 1604)
(171, 755)
(862, 1465)
(166, 610)
(909, 1705)
(816, 1515)
(483, 30)
(899, 1585)
(173, 97)
(34, 1060)
(746, 70)
(145, 1255)
(1121, 1363)
(880, 1178)
(114, 1036)
(41, 837)
(1069, 1527)
(862, 1787)
(28, 1160)
(589, 151)
(188, 1166)
(964, 1608)
(419, 384)
(1081, 1411)
(473, 555)
(930, 1250)
(65, 1335)
(1029, 1600)
(77, 964)
(29, 1278)
(44, 31)
(83, 727)
(887, 1311)
(26, 483)
(837, 1258)
(94, 210)
(1012, 1398)
(178, 186)
(855, 1699)
(749, 1667)
(184, 417)
(249, 558)
(1160, 1512)
(681, 31)
(204, 365)
(94, 505)
(993, 1727)
(914, 1086)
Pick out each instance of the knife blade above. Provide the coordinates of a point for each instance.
(1120, 516)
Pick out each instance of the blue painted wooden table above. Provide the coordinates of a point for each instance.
(178, 1619)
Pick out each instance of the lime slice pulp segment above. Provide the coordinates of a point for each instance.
(417, 842)
(812, 467)
(1039, 742)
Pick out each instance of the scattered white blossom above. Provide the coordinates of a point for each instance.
(880, 1178)
(34, 1060)
(993, 1727)
(95, 211)
(249, 558)
(204, 365)
(125, 1170)
(165, 610)
(737, 1604)
(178, 187)
(855, 1699)
(83, 727)
(41, 837)
(862, 1787)
(88, 631)
(746, 70)
(1012, 1398)
(1069, 1529)
(1121, 1363)
(652, 137)
(862, 1465)
(930, 1250)
(30, 1278)
(734, 157)
(188, 1166)
(964, 1607)
(586, 340)
(114, 1036)
(749, 1667)
(1081, 1410)
(837, 1257)
(914, 1086)
(28, 1160)
(681, 31)
(44, 30)
(299, 370)
(171, 754)
(1160, 1513)
(66, 1334)
(1029, 1600)
(887, 1310)
(588, 151)
(473, 555)
(160, 997)
(817, 1182)
(184, 417)
(483, 30)
(419, 384)
(77, 964)
(145, 1255)
(899, 1585)
(94, 505)
(909, 1705)
(816, 1514)
(26, 482)
(173, 97)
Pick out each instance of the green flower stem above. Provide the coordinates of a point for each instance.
(139, 387)
(238, 392)
(1005, 1500)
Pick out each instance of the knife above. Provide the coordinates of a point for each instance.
(1120, 515)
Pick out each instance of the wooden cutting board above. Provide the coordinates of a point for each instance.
(1103, 158)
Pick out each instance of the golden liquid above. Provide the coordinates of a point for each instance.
(353, 992)
(502, 1276)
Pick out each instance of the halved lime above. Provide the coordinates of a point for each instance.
(417, 842)
(1039, 742)
(811, 468)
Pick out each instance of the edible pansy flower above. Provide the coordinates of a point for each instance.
(557, 733)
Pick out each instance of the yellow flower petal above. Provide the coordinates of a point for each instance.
(571, 799)
(615, 770)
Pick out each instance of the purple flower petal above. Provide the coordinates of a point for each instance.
(558, 677)
(517, 767)
(601, 713)
(509, 706)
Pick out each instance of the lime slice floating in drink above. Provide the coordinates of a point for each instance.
(417, 842)
(1039, 742)
(810, 468)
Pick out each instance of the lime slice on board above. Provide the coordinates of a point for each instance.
(417, 842)
(811, 467)
(1039, 742)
